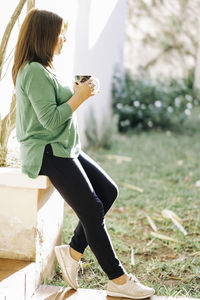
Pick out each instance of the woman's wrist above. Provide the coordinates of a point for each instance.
(75, 101)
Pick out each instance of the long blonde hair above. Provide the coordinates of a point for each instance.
(37, 39)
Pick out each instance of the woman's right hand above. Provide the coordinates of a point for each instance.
(85, 90)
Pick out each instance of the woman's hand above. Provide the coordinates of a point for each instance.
(75, 85)
(84, 90)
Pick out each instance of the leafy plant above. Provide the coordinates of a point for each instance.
(143, 102)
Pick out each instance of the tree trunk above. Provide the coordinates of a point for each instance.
(7, 126)
(30, 5)
(7, 32)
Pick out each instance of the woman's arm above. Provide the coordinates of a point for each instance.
(40, 91)
(82, 92)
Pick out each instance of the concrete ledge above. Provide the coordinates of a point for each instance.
(31, 222)
(13, 177)
(31, 215)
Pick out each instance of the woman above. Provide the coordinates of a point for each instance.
(47, 131)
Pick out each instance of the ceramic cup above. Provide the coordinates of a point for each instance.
(82, 78)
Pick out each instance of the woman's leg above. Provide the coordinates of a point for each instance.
(72, 182)
(104, 187)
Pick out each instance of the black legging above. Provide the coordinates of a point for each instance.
(90, 192)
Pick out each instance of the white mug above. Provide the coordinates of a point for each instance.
(82, 78)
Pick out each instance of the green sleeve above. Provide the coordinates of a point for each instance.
(40, 90)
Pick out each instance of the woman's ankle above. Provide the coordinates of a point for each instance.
(75, 254)
(121, 279)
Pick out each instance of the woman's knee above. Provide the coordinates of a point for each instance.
(115, 192)
(111, 197)
(90, 206)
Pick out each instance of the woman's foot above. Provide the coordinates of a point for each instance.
(75, 254)
(121, 280)
(132, 288)
(69, 266)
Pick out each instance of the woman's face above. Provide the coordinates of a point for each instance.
(61, 39)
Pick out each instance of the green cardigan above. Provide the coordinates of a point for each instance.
(43, 117)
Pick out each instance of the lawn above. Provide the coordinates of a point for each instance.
(163, 172)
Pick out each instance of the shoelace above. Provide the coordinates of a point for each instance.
(80, 265)
(133, 278)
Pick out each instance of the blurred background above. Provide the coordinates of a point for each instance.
(143, 128)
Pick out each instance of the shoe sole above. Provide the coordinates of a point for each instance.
(61, 262)
(114, 294)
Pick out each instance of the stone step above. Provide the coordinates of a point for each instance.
(9, 266)
(47, 292)
(17, 279)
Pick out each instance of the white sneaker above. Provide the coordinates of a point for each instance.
(68, 265)
(131, 289)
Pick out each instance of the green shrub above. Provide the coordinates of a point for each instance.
(143, 102)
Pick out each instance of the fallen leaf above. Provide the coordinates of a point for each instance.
(180, 162)
(194, 254)
(197, 183)
(180, 227)
(166, 213)
(119, 159)
(175, 219)
(172, 256)
(164, 237)
(130, 186)
(152, 224)
(132, 257)
(150, 242)
(176, 278)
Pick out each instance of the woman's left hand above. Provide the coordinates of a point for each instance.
(75, 86)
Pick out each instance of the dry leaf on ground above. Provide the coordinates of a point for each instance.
(152, 224)
(194, 254)
(197, 184)
(175, 219)
(150, 242)
(119, 159)
(165, 237)
(166, 213)
(180, 162)
(130, 186)
(132, 257)
(176, 278)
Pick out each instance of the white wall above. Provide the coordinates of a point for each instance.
(99, 42)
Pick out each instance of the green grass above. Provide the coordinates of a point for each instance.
(161, 162)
